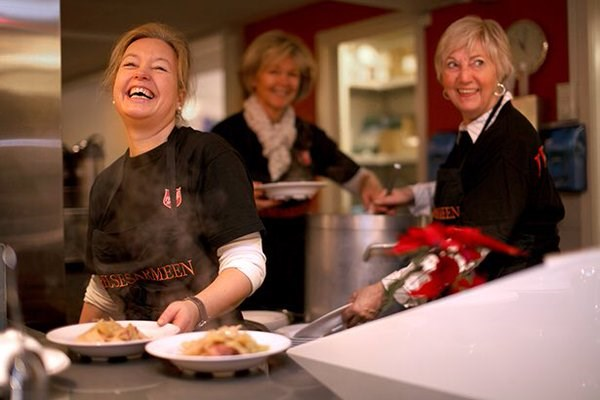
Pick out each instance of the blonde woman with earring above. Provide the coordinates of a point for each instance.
(495, 178)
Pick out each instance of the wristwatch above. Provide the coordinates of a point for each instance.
(201, 310)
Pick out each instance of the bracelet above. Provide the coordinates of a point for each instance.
(201, 310)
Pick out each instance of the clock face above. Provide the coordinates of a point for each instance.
(528, 45)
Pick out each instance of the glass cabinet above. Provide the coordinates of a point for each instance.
(370, 96)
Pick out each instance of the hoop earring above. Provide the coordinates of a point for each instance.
(502, 90)
(445, 95)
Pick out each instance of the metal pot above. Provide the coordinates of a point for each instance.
(345, 252)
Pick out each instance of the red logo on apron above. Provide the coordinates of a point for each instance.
(167, 198)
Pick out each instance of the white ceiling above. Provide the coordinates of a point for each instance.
(89, 27)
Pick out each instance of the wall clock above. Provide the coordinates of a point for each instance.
(529, 46)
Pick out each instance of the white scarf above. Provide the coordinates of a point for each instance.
(276, 139)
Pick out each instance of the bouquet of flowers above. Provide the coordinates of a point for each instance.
(443, 261)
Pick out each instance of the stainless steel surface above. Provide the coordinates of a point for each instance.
(334, 256)
(30, 154)
(149, 378)
(153, 379)
(385, 247)
(324, 325)
(3, 298)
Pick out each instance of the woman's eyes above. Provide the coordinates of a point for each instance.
(477, 63)
(279, 72)
(131, 64)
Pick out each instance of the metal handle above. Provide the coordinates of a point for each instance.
(376, 246)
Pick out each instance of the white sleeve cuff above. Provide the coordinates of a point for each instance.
(423, 194)
(97, 295)
(245, 254)
(353, 184)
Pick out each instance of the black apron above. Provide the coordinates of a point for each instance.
(448, 198)
(449, 192)
(162, 260)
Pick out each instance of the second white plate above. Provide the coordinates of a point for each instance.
(67, 336)
(170, 349)
(300, 190)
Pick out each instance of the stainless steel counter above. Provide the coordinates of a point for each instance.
(145, 377)
(149, 378)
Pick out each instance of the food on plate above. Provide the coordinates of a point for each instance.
(227, 340)
(111, 331)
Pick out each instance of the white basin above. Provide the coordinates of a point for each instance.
(531, 335)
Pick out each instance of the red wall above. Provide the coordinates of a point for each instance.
(553, 20)
(307, 21)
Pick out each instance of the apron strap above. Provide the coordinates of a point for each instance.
(171, 172)
(117, 182)
(467, 141)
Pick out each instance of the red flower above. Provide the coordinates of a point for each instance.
(445, 273)
(469, 254)
(436, 235)
(472, 237)
(446, 242)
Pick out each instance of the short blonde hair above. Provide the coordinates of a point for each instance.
(152, 30)
(271, 47)
(470, 31)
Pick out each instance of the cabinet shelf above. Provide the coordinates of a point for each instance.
(379, 86)
(380, 159)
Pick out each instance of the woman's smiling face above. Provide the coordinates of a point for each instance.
(469, 79)
(145, 87)
(276, 86)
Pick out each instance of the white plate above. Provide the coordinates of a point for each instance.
(290, 330)
(170, 348)
(67, 336)
(300, 190)
(271, 319)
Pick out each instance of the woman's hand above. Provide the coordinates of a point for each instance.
(182, 313)
(388, 203)
(261, 199)
(365, 305)
(370, 189)
(224, 294)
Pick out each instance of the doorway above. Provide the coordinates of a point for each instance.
(371, 98)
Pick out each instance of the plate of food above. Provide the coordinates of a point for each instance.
(109, 338)
(292, 190)
(226, 349)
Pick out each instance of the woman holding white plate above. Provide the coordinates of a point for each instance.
(278, 146)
